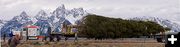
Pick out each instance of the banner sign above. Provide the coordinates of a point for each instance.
(32, 32)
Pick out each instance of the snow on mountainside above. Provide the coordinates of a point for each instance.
(2, 22)
(42, 15)
(44, 20)
(165, 23)
(58, 16)
(72, 15)
(75, 15)
(61, 14)
(16, 23)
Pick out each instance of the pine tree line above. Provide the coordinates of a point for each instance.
(99, 27)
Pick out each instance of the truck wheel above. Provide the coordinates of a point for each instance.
(51, 38)
(58, 38)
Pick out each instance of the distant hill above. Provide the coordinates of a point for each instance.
(99, 27)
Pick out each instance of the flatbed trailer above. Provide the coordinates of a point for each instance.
(67, 31)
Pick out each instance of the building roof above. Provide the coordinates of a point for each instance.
(31, 26)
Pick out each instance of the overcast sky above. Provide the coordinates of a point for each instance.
(167, 9)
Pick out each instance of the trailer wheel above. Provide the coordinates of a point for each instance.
(66, 38)
(51, 38)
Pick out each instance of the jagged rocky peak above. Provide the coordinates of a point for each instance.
(78, 12)
(23, 14)
(78, 9)
(60, 11)
(1, 21)
(42, 15)
(61, 6)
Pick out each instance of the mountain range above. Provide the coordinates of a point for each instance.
(163, 22)
(44, 20)
(61, 15)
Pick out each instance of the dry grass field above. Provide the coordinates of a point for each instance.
(92, 43)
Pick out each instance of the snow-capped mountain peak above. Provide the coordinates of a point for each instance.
(22, 18)
(17, 23)
(42, 15)
(60, 11)
(78, 12)
(163, 22)
(61, 6)
(71, 15)
(23, 15)
(1, 21)
(1, 24)
(54, 19)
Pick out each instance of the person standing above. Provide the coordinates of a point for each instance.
(14, 41)
(11, 36)
(4, 37)
(47, 34)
